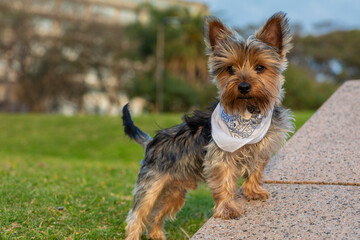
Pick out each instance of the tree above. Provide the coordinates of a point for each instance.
(335, 54)
(302, 91)
(42, 71)
(49, 67)
(185, 59)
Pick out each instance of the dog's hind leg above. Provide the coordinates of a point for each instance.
(170, 202)
(146, 194)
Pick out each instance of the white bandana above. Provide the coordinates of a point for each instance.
(232, 132)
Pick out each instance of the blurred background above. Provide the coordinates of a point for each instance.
(93, 56)
(71, 177)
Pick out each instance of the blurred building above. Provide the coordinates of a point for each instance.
(121, 12)
(50, 16)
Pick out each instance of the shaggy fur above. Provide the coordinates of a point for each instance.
(180, 156)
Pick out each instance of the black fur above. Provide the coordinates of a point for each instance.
(131, 130)
(180, 149)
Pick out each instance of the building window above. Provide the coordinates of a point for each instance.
(127, 16)
(43, 4)
(72, 8)
(104, 11)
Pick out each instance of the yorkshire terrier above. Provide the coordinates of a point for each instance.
(234, 139)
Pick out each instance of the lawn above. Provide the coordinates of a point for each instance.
(72, 177)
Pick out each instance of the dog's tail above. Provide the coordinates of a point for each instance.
(132, 131)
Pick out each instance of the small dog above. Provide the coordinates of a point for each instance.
(234, 139)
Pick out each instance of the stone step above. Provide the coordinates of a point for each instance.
(327, 147)
(293, 212)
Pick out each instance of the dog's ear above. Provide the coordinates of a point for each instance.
(276, 33)
(214, 31)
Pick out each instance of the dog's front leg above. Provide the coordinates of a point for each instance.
(252, 186)
(221, 176)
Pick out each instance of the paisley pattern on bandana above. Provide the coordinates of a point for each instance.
(240, 127)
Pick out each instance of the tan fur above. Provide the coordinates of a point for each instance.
(222, 179)
(137, 220)
(251, 187)
(170, 202)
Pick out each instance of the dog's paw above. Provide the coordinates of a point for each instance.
(258, 195)
(156, 235)
(228, 210)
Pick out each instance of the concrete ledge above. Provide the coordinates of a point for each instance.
(293, 212)
(327, 147)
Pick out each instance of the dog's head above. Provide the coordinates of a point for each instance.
(248, 73)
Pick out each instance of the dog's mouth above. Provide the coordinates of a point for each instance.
(244, 97)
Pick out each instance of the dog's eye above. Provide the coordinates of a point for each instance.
(230, 70)
(259, 68)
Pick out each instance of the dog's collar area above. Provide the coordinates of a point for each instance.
(231, 132)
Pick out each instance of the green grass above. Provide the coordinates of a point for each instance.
(301, 117)
(88, 167)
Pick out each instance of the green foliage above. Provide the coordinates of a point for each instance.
(301, 117)
(179, 95)
(183, 34)
(85, 165)
(142, 85)
(302, 92)
(185, 61)
(318, 53)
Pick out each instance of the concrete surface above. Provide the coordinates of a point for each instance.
(327, 147)
(293, 212)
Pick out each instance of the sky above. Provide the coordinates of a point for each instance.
(344, 14)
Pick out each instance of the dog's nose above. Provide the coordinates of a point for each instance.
(244, 87)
